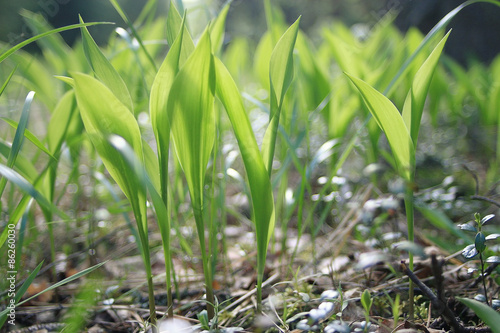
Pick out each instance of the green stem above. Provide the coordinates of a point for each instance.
(165, 233)
(149, 278)
(411, 238)
(259, 293)
(483, 278)
(198, 216)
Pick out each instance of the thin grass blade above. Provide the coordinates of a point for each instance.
(20, 292)
(4, 85)
(22, 44)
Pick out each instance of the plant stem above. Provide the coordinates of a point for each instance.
(483, 278)
(259, 293)
(411, 238)
(200, 226)
(151, 293)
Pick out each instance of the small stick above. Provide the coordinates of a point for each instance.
(437, 304)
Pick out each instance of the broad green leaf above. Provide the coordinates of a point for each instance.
(13, 49)
(104, 70)
(260, 185)
(489, 316)
(414, 104)
(159, 98)
(103, 114)
(192, 117)
(391, 122)
(258, 178)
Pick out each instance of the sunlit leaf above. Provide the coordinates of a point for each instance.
(280, 76)
(192, 118)
(414, 104)
(104, 70)
(391, 122)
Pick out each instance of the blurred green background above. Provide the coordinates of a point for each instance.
(476, 30)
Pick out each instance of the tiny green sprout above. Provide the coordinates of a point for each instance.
(366, 301)
(479, 246)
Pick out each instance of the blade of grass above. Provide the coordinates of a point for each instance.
(4, 85)
(22, 44)
(129, 23)
(20, 292)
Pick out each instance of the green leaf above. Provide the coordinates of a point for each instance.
(103, 114)
(366, 300)
(480, 242)
(30, 136)
(489, 316)
(159, 99)
(64, 116)
(29, 189)
(60, 283)
(129, 23)
(20, 292)
(6, 54)
(23, 165)
(391, 122)
(258, 179)
(104, 70)
(217, 29)
(260, 185)
(4, 85)
(414, 103)
(192, 116)
(280, 76)
(281, 65)
(175, 22)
